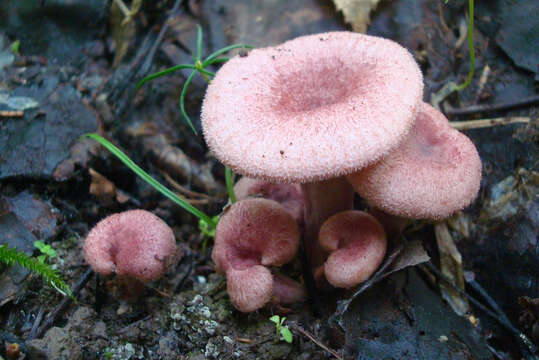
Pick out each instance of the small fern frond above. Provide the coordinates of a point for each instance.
(10, 256)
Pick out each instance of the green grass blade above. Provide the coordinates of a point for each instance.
(224, 50)
(229, 179)
(163, 73)
(199, 43)
(150, 180)
(182, 101)
(469, 78)
(218, 60)
(206, 72)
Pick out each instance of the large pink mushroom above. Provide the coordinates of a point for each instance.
(135, 245)
(288, 195)
(310, 111)
(357, 245)
(251, 235)
(434, 173)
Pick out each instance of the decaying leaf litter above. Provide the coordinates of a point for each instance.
(45, 171)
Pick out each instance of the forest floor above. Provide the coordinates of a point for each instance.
(68, 68)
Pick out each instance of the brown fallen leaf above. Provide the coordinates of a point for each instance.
(356, 12)
(451, 267)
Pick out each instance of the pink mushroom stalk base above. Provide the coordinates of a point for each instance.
(322, 200)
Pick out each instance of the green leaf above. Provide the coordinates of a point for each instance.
(45, 248)
(286, 334)
(222, 51)
(199, 43)
(182, 101)
(150, 180)
(229, 179)
(207, 229)
(275, 319)
(15, 46)
(163, 73)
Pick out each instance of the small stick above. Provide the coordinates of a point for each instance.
(123, 330)
(531, 100)
(35, 326)
(62, 307)
(485, 123)
(11, 113)
(314, 340)
(183, 189)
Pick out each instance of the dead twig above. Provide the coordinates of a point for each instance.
(126, 328)
(485, 123)
(184, 190)
(36, 323)
(316, 341)
(11, 113)
(62, 307)
(476, 109)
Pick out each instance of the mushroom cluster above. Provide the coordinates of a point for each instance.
(312, 120)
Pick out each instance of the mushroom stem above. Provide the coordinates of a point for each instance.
(322, 200)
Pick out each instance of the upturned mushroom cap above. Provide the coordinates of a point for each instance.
(313, 108)
(253, 233)
(357, 243)
(288, 195)
(135, 244)
(434, 173)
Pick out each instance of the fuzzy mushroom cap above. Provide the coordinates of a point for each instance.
(135, 244)
(434, 173)
(313, 108)
(357, 243)
(288, 195)
(253, 232)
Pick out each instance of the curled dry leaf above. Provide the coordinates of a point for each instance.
(356, 12)
(451, 266)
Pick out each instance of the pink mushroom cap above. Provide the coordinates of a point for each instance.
(313, 108)
(434, 173)
(288, 195)
(357, 242)
(135, 244)
(252, 234)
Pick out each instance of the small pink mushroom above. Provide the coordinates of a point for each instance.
(357, 245)
(251, 235)
(133, 244)
(435, 172)
(288, 195)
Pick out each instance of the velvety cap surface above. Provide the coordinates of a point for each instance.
(313, 108)
(133, 243)
(288, 195)
(435, 172)
(357, 242)
(252, 232)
